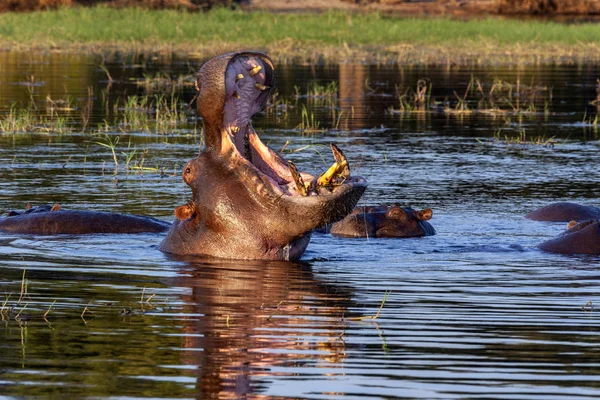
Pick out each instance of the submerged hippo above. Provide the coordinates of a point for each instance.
(579, 238)
(247, 201)
(52, 220)
(564, 212)
(383, 221)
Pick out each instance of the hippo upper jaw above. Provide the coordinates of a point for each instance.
(247, 201)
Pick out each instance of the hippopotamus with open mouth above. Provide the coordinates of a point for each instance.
(247, 201)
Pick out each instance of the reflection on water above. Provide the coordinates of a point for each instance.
(474, 311)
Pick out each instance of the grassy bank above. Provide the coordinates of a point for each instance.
(312, 37)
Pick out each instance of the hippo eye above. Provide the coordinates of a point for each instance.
(188, 170)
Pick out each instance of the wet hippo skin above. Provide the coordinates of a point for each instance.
(564, 212)
(53, 220)
(579, 238)
(384, 222)
(247, 201)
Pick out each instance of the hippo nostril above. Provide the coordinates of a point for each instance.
(188, 170)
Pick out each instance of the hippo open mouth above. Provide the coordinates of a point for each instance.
(248, 82)
(247, 201)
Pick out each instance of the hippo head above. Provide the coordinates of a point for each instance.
(405, 222)
(579, 238)
(383, 221)
(247, 201)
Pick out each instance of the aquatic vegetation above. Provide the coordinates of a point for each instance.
(39, 307)
(521, 139)
(590, 120)
(159, 114)
(20, 120)
(414, 100)
(155, 114)
(500, 98)
(309, 124)
(163, 82)
(316, 92)
(110, 143)
(372, 317)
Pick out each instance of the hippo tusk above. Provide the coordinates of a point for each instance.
(339, 169)
(297, 179)
(255, 70)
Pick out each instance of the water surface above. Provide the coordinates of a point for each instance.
(473, 312)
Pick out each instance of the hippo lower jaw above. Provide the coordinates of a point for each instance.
(247, 201)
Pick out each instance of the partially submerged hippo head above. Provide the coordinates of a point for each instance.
(383, 221)
(579, 238)
(247, 201)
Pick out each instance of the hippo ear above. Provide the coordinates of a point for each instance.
(395, 212)
(184, 212)
(424, 215)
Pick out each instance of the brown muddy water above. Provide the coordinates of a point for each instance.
(473, 312)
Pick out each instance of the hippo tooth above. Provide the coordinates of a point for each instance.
(260, 86)
(235, 129)
(325, 178)
(55, 207)
(255, 70)
(338, 154)
(297, 179)
(239, 76)
(571, 224)
(236, 95)
(340, 158)
(339, 169)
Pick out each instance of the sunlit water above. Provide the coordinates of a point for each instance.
(473, 312)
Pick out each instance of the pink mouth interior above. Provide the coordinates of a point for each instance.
(245, 95)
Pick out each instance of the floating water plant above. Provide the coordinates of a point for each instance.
(521, 139)
(160, 82)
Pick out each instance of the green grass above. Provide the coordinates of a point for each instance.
(327, 35)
